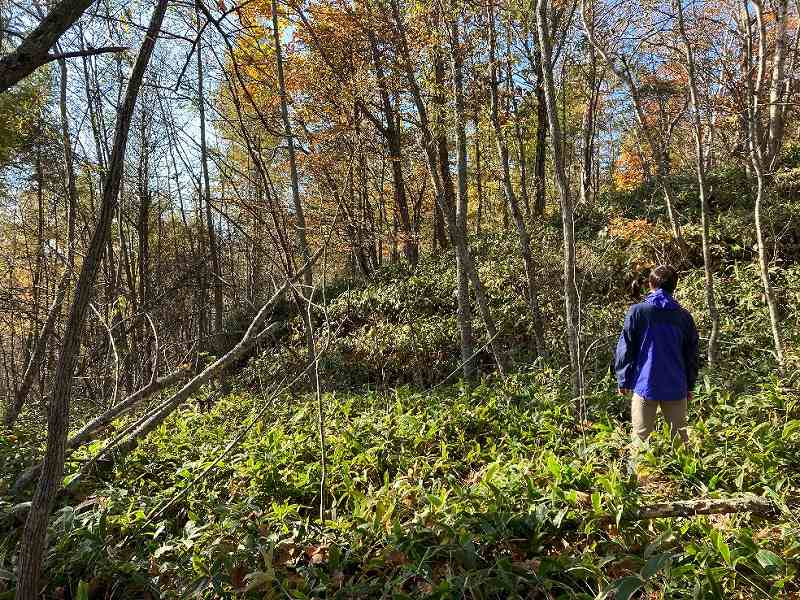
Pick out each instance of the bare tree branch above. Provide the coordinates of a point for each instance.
(33, 52)
(87, 52)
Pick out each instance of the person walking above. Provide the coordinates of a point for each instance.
(657, 360)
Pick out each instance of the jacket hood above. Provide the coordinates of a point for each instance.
(661, 299)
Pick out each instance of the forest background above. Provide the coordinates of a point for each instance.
(300, 208)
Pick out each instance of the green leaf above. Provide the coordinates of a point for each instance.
(790, 429)
(163, 550)
(627, 587)
(596, 504)
(654, 565)
(82, 592)
(716, 590)
(721, 546)
(740, 480)
(553, 466)
(768, 559)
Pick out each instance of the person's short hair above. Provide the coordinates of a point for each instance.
(664, 277)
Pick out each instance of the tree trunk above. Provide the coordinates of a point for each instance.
(300, 220)
(430, 147)
(478, 177)
(776, 100)
(587, 191)
(143, 234)
(442, 144)
(522, 158)
(705, 211)
(757, 162)
(392, 134)
(511, 198)
(462, 201)
(143, 222)
(541, 135)
(33, 539)
(565, 198)
(213, 247)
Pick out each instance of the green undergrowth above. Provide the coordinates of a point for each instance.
(484, 492)
(438, 489)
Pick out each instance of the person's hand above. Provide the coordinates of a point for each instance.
(624, 392)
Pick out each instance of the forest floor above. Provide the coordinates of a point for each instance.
(489, 492)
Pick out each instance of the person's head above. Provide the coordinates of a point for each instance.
(664, 277)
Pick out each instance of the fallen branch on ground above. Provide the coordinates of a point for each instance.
(703, 506)
(757, 505)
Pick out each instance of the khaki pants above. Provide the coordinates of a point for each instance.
(643, 417)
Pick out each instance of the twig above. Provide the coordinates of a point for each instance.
(116, 354)
(87, 52)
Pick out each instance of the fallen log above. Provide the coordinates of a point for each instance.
(743, 503)
(703, 506)
(156, 417)
(89, 431)
(99, 423)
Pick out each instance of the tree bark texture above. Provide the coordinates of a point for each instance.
(34, 51)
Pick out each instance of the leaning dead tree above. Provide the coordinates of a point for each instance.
(152, 420)
(96, 426)
(128, 438)
(33, 539)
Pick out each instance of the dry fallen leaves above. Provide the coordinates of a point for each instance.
(396, 558)
(530, 565)
(237, 576)
(317, 553)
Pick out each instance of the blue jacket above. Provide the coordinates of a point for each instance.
(657, 354)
